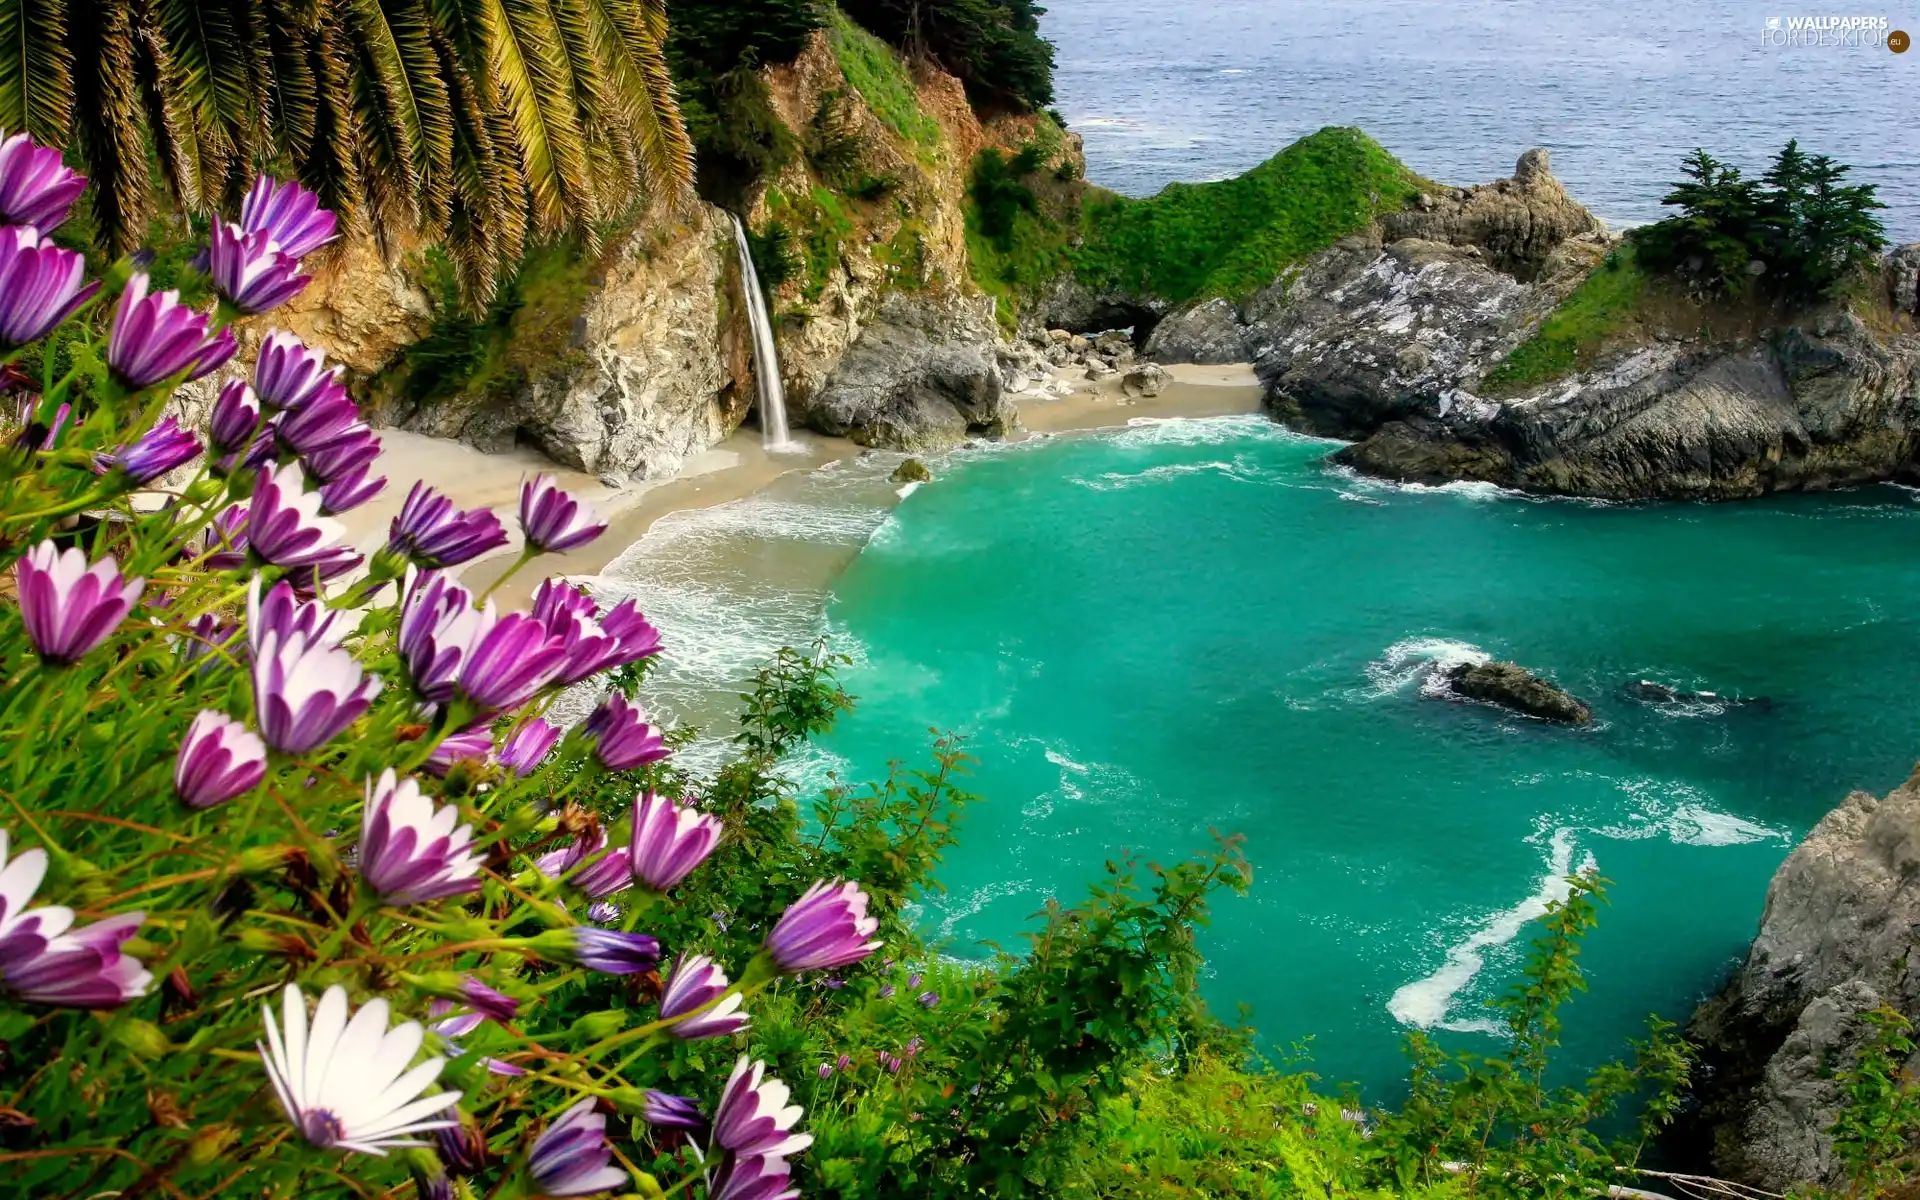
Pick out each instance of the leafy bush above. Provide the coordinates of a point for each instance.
(875, 71)
(1573, 333)
(715, 52)
(993, 46)
(1798, 232)
(1236, 236)
(999, 192)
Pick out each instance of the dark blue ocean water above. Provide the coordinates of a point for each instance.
(1619, 90)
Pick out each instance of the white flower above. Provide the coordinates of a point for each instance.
(411, 852)
(347, 1084)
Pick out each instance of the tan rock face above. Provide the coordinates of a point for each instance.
(1518, 222)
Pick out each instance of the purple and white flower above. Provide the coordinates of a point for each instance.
(663, 1110)
(349, 1084)
(696, 982)
(44, 960)
(250, 270)
(349, 491)
(669, 841)
(306, 693)
(461, 1148)
(155, 337)
(36, 188)
(604, 871)
(219, 759)
(69, 607)
(291, 619)
(552, 521)
(410, 851)
(289, 375)
(609, 951)
(528, 746)
(472, 745)
(929, 999)
(754, 1177)
(621, 737)
(355, 448)
(284, 525)
(430, 531)
(571, 1156)
(594, 643)
(289, 214)
(828, 926)
(326, 417)
(438, 630)
(156, 452)
(41, 285)
(510, 661)
(235, 420)
(753, 1116)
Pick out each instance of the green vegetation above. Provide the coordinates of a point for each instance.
(716, 52)
(993, 46)
(1876, 1131)
(1595, 315)
(1236, 236)
(527, 327)
(876, 72)
(814, 224)
(1019, 225)
(1799, 232)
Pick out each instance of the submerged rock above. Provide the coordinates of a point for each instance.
(911, 470)
(1836, 940)
(1514, 687)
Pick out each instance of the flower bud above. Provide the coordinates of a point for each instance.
(210, 1143)
(603, 1024)
(143, 1038)
(264, 860)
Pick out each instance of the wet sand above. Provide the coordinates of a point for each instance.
(734, 469)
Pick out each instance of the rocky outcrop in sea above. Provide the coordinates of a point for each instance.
(1836, 940)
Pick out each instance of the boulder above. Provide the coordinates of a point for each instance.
(1835, 940)
(1145, 381)
(1516, 222)
(1114, 343)
(911, 470)
(923, 375)
(1903, 278)
(1207, 332)
(1514, 687)
(1097, 367)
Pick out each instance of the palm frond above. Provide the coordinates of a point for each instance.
(176, 148)
(111, 136)
(631, 36)
(536, 94)
(209, 65)
(36, 69)
(331, 166)
(292, 92)
(393, 36)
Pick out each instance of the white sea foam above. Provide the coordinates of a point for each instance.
(1422, 660)
(908, 488)
(1239, 470)
(1205, 431)
(1428, 1002)
(1685, 815)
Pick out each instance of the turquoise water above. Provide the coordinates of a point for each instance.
(1194, 625)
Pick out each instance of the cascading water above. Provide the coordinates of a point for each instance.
(766, 356)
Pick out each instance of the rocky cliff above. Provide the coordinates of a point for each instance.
(1428, 338)
(1836, 940)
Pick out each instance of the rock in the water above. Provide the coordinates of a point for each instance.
(1836, 939)
(1514, 687)
(911, 470)
(1145, 381)
(1209, 332)
(922, 376)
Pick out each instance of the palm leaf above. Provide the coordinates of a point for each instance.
(36, 69)
(107, 125)
(176, 148)
(630, 35)
(413, 105)
(331, 166)
(209, 68)
(535, 88)
(292, 94)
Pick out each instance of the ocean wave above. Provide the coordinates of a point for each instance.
(1422, 660)
(1428, 1002)
(1684, 815)
(1206, 431)
(1238, 470)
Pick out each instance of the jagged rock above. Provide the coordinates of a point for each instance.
(1517, 222)
(1903, 272)
(922, 376)
(1114, 344)
(1059, 335)
(1208, 332)
(642, 383)
(1066, 303)
(1835, 940)
(1098, 368)
(1145, 381)
(1820, 404)
(1078, 344)
(911, 470)
(1514, 687)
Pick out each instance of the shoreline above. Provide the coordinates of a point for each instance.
(733, 469)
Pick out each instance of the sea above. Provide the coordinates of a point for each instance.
(1186, 628)
(1618, 90)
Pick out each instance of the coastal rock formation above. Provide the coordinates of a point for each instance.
(1836, 940)
(1517, 223)
(922, 376)
(1208, 332)
(641, 378)
(911, 470)
(1144, 381)
(1823, 403)
(1513, 687)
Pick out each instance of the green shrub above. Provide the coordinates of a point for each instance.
(994, 46)
(875, 71)
(1236, 236)
(1595, 313)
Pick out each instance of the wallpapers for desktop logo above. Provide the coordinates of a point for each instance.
(1833, 32)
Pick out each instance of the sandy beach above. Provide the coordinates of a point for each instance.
(734, 469)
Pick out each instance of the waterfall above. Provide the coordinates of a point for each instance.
(766, 356)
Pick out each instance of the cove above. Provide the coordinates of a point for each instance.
(1196, 624)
